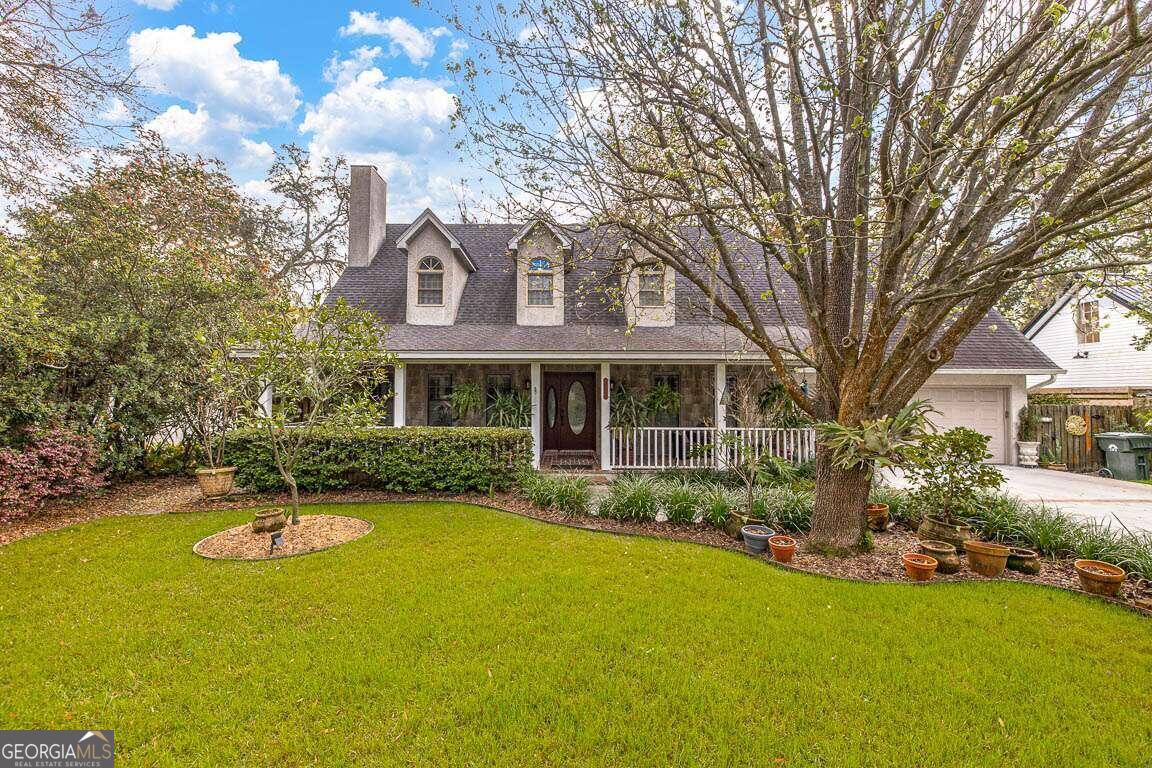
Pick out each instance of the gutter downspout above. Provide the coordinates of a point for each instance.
(1044, 383)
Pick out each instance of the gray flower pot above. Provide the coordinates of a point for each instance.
(756, 538)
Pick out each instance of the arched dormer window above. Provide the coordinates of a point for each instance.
(430, 281)
(651, 286)
(540, 283)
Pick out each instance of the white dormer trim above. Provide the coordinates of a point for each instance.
(563, 239)
(428, 217)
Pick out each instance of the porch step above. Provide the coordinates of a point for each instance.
(569, 461)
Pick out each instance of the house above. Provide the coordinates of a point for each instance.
(1091, 333)
(531, 309)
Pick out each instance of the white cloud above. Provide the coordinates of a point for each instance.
(418, 45)
(371, 112)
(158, 5)
(182, 129)
(210, 72)
(342, 71)
(256, 154)
(116, 112)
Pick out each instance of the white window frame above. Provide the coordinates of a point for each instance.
(432, 267)
(538, 272)
(650, 271)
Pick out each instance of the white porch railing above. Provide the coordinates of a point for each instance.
(690, 447)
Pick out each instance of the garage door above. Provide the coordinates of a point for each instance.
(978, 408)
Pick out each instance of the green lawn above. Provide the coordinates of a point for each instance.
(456, 635)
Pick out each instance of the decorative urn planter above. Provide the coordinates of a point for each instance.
(1029, 452)
(986, 558)
(1099, 578)
(783, 547)
(268, 520)
(919, 567)
(1023, 560)
(877, 517)
(736, 521)
(216, 481)
(947, 561)
(936, 529)
(756, 538)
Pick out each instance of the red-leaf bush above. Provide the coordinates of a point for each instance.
(48, 464)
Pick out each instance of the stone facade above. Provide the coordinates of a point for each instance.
(695, 386)
(417, 385)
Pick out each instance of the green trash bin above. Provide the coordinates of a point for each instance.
(1125, 454)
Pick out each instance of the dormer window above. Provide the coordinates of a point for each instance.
(540, 283)
(651, 293)
(430, 281)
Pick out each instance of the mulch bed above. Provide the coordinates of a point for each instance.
(151, 496)
(313, 534)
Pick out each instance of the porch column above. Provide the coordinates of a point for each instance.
(399, 395)
(605, 416)
(719, 379)
(537, 435)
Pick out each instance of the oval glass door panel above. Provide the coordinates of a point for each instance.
(551, 407)
(577, 407)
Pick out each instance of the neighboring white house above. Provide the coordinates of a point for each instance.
(570, 318)
(1091, 333)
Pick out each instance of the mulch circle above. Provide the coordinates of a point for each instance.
(314, 534)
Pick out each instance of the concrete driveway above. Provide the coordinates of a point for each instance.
(1086, 496)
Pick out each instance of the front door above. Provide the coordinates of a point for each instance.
(569, 411)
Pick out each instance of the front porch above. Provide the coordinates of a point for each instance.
(569, 409)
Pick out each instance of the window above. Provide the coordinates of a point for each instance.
(439, 402)
(651, 285)
(540, 283)
(1088, 322)
(430, 282)
(669, 416)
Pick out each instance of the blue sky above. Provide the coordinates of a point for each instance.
(367, 80)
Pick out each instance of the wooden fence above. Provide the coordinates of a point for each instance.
(1079, 452)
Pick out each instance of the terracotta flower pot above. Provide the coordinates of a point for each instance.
(877, 517)
(216, 482)
(986, 558)
(1099, 578)
(919, 567)
(268, 520)
(756, 538)
(1023, 560)
(783, 547)
(936, 529)
(947, 561)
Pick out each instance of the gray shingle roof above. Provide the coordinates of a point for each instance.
(486, 319)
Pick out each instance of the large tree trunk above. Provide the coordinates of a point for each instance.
(838, 520)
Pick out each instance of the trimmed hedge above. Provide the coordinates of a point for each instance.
(407, 459)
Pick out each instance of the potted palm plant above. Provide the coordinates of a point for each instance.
(509, 409)
(215, 391)
(1028, 437)
(466, 399)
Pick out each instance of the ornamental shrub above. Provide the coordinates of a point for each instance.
(45, 465)
(406, 459)
(632, 498)
(568, 494)
(681, 500)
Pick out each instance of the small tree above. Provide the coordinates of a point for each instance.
(947, 470)
(214, 396)
(326, 364)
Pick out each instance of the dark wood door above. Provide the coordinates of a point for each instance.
(569, 411)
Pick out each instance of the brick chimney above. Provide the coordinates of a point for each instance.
(367, 209)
